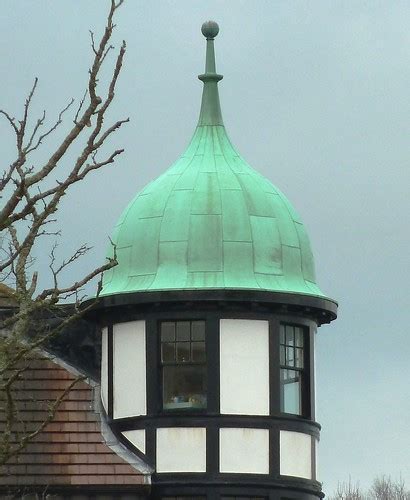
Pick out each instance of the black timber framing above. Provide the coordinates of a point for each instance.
(212, 319)
(213, 371)
(153, 383)
(274, 490)
(211, 482)
(312, 385)
(321, 309)
(110, 371)
(287, 423)
(274, 365)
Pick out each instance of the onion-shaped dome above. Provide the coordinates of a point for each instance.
(211, 221)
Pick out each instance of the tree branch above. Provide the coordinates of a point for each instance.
(33, 198)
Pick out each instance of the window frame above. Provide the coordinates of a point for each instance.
(161, 364)
(305, 371)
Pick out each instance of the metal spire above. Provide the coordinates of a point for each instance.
(210, 108)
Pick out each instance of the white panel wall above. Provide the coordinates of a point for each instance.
(104, 368)
(181, 449)
(244, 357)
(129, 370)
(244, 451)
(137, 438)
(296, 454)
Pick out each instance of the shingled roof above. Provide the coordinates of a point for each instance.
(70, 453)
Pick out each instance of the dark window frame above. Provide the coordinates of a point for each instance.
(184, 497)
(190, 363)
(243, 497)
(304, 370)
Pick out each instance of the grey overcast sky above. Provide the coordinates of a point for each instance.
(316, 97)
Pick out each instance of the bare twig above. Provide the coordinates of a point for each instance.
(32, 200)
(29, 148)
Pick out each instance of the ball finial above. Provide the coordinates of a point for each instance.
(210, 29)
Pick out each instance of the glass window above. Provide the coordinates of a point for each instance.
(292, 369)
(183, 365)
(189, 497)
(241, 498)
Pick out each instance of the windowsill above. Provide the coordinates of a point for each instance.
(183, 406)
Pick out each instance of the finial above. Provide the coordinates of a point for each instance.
(210, 29)
(210, 108)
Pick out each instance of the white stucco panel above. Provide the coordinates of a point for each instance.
(181, 449)
(244, 451)
(129, 369)
(296, 454)
(244, 358)
(137, 438)
(104, 370)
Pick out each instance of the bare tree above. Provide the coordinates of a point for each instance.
(30, 197)
(383, 488)
(348, 491)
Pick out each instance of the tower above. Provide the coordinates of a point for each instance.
(208, 326)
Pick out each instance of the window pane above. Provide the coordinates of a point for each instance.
(299, 357)
(292, 361)
(299, 337)
(198, 351)
(291, 391)
(183, 352)
(167, 351)
(167, 331)
(198, 330)
(290, 356)
(184, 387)
(183, 330)
(290, 335)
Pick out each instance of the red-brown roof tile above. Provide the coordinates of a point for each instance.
(71, 449)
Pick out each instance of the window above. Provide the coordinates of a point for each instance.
(241, 498)
(190, 497)
(292, 369)
(183, 365)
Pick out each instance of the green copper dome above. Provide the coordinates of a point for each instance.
(211, 221)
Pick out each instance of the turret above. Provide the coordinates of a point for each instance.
(209, 324)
